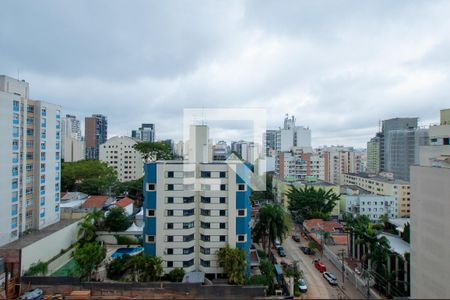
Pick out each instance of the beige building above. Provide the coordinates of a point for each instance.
(383, 185)
(430, 234)
(437, 154)
(118, 153)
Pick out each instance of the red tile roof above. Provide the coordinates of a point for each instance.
(95, 202)
(340, 239)
(124, 202)
(327, 226)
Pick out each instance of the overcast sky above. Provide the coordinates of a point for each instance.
(338, 66)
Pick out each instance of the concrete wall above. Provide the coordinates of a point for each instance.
(50, 246)
(430, 235)
(60, 261)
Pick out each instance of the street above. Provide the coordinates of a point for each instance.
(318, 287)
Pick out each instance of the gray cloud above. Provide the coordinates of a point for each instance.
(339, 66)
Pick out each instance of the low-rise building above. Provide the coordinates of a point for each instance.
(126, 203)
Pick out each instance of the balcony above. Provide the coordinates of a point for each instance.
(15, 173)
(43, 135)
(44, 125)
(15, 147)
(14, 199)
(16, 122)
(15, 160)
(42, 180)
(14, 185)
(13, 212)
(42, 192)
(42, 170)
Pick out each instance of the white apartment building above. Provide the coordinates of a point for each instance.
(298, 165)
(361, 202)
(193, 208)
(30, 160)
(340, 160)
(72, 145)
(118, 152)
(379, 185)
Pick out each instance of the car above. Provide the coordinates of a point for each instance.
(296, 238)
(320, 266)
(330, 277)
(302, 285)
(306, 250)
(277, 243)
(281, 251)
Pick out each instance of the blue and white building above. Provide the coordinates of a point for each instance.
(193, 208)
(30, 159)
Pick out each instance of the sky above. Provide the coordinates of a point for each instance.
(339, 66)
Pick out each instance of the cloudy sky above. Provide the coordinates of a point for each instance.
(338, 66)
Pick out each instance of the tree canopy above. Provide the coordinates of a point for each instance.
(117, 220)
(234, 263)
(88, 256)
(309, 202)
(154, 150)
(92, 177)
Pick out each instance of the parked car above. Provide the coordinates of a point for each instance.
(277, 244)
(306, 250)
(281, 251)
(330, 278)
(302, 285)
(296, 238)
(320, 266)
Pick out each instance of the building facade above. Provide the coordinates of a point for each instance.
(437, 153)
(373, 155)
(72, 144)
(118, 152)
(95, 133)
(145, 133)
(381, 185)
(193, 208)
(31, 163)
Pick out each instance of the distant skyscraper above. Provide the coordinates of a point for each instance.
(72, 145)
(29, 159)
(144, 133)
(373, 155)
(96, 131)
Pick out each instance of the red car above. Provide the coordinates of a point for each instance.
(320, 266)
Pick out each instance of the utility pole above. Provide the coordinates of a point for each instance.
(341, 254)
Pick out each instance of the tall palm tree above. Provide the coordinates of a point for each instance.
(272, 223)
(86, 230)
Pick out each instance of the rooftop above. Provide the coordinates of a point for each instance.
(398, 245)
(354, 188)
(379, 178)
(124, 202)
(37, 235)
(327, 226)
(95, 202)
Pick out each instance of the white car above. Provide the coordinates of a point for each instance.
(330, 278)
(302, 285)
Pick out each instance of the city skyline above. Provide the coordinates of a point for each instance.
(270, 57)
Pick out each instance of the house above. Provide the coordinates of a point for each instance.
(126, 203)
(97, 202)
(316, 229)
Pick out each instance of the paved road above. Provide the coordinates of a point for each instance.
(318, 287)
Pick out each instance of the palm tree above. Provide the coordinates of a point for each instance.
(97, 217)
(234, 263)
(86, 230)
(272, 223)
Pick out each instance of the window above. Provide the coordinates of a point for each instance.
(241, 238)
(188, 263)
(223, 238)
(204, 250)
(188, 212)
(170, 212)
(188, 250)
(223, 187)
(169, 199)
(204, 263)
(205, 238)
(223, 200)
(223, 225)
(170, 187)
(150, 238)
(222, 213)
(241, 187)
(170, 238)
(169, 251)
(169, 225)
(150, 212)
(241, 212)
(205, 174)
(188, 238)
(205, 212)
(205, 199)
(170, 174)
(188, 225)
(188, 199)
(169, 264)
(205, 225)
(150, 187)
(223, 174)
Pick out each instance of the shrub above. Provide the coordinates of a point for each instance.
(126, 240)
(117, 268)
(176, 275)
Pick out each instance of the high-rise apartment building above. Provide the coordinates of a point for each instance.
(95, 133)
(30, 160)
(383, 185)
(118, 152)
(193, 208)
(72, 144)
(373, 155)
(340, 160)
(220, 151)
(299, 165)
(145, 133)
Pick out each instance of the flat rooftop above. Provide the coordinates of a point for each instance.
(354, 188)
(379, 178)
(37, 235)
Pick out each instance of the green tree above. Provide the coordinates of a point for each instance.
(272, 223)
(38, 268)
(234, 263)
(308, 202)
(117, 268)
(117, 220)
(406, 232)
(154, 150)
(92, 177)
(268, 271)
(176, 275)
(312, 244)
(144, 268)
(86, 231)
(133, 188)
(88, 256)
